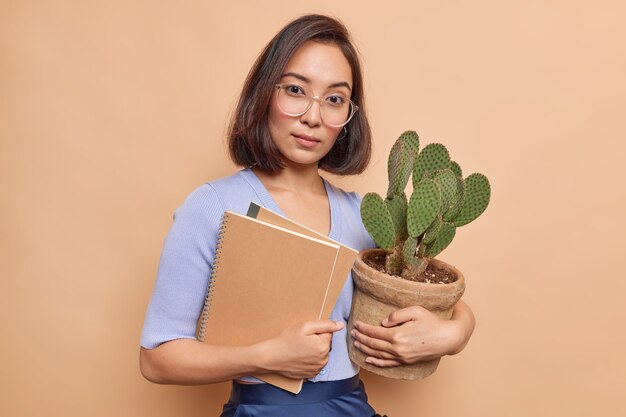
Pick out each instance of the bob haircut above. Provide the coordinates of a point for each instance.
(249, 139)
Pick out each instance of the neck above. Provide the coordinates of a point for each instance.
(293, 177)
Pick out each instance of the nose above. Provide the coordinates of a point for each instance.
(313, 116)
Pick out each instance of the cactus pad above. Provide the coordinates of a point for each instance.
(401, 161)
(457, 202)
(446, 181)
(423, 207)
(477, 194)
(397, 206)
(408, 251)
(415, 231)
(456, 168)
(433, 157)
(433, 230)
(377, 220)
(444, 237)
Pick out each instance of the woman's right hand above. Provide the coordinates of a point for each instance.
(300, 351)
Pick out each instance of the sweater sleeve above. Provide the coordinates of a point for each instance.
(184, 269)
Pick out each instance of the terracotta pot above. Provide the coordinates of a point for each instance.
(377, 294)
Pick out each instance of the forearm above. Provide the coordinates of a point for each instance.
(464, 321)
(299, 351)
(189, 362)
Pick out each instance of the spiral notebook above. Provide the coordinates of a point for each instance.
(264, 279)
(345, 259)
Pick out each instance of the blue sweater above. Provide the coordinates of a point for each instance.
(187, 258)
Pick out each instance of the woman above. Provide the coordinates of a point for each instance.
(301, 110)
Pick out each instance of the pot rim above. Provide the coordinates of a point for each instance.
(368, 273)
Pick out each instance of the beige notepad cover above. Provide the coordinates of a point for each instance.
(265, 278)
(343, 265)
(345, 259)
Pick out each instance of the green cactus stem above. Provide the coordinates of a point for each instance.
(394, 262)
(413, 265)
(415, 269)
(409, 250)
(413, 231)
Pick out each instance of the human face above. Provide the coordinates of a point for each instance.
(321, 69)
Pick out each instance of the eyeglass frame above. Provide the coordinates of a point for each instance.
(353, 107)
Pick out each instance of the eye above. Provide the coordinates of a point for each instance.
(336, 100)
(294, 90)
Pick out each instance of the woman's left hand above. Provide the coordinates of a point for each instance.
(413, 334)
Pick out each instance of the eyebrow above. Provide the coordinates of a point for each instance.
(306, 80)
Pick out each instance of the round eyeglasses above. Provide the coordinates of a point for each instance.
(335, 109)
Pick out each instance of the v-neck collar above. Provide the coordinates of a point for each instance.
(268, 201)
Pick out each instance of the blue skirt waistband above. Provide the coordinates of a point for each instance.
(312, 392)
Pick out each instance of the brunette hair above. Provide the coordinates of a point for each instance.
(249, 139)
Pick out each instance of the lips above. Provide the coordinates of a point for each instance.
(309, 138)
(306, 141)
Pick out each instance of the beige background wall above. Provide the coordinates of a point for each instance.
(111, 112)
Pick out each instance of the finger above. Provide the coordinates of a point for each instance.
(382, 363)
(325, 337)
(371, 342)
(372, 352)
(403, 315)
(322, 326)
(376, 332)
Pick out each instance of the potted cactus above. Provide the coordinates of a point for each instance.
(402, 271)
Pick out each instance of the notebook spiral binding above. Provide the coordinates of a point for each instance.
(209, 295)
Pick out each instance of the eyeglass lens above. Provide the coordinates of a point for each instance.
(336, 110)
